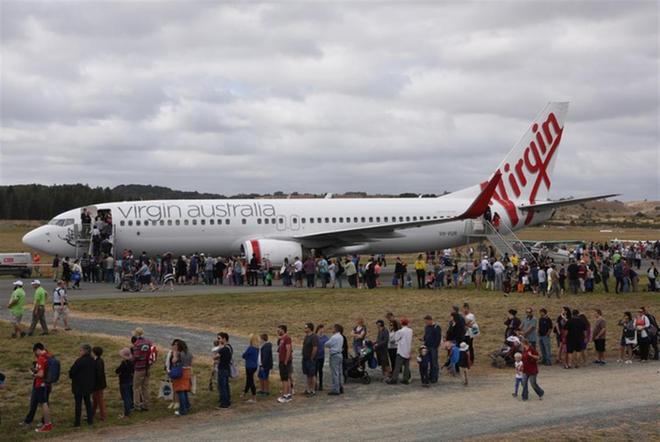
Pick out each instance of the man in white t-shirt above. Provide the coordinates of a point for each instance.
(498, 267)
(403, 339)
(60, 305)
(298, 269)
(543, 283)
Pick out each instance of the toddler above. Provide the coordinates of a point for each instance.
(519, 373)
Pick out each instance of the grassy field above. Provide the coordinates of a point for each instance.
(18, 357)
(245, 313)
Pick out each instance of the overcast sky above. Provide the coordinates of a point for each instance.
(326, 97)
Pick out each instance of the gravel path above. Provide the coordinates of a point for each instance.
(448, 411)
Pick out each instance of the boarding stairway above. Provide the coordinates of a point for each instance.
(82, 239)
(504, 240)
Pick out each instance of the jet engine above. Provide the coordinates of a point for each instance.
(275, 250)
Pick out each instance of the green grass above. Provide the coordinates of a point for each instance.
(17, 359)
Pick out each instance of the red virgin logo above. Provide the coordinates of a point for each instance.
(522, 179)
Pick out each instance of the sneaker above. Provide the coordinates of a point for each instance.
(251, 401)
(628, 361)
(45, 428)
(284, 399)
(619, 361)
(177, 413)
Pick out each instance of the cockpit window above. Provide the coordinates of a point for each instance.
(61, 222)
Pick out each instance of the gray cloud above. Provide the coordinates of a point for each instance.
(382, 97)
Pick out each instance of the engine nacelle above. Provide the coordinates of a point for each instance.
(275, 250)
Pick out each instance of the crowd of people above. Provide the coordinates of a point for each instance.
(614, 265)
(347, 354)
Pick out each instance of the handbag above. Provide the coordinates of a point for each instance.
(474, 330)
(175, 372)
(631, 341)
(233, 370)
(165, 391)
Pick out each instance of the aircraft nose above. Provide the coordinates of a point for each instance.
(34, 238)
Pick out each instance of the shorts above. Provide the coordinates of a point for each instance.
(285, 371)
(299, 275)
(41, 394)
(61, 311)
(145, 279)
(16, 319)
(573, 347)
(600, 345)
(309, 368)
(263, 374)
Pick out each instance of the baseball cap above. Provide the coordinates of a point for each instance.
(36, 282)
(18, 283)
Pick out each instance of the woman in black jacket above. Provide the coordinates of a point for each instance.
(83, 379)
(266, 361)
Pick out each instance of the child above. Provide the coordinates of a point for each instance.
(214, 369)
(98, 402)
(519, 373)
(464, 361)
(125, 372)
(453, 357)
(265, 365)
(424, 362)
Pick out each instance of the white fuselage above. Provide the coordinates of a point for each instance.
(219, 227)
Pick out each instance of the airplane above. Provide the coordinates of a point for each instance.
(282, 229)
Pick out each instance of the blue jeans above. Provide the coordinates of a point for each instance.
(126, 391)
(223, 388)
(518, 383)
(336, 362)
(184, 403)
(546, 350)
(530, 379)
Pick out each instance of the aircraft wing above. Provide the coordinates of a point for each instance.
(566, 202)
(390, 230)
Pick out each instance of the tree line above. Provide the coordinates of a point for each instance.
(39, 202)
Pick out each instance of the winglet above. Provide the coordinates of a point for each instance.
(480, 204)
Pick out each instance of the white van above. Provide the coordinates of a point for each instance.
(16, 264)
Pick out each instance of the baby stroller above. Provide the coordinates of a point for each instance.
(356, 368)
(128, 283)
(504, 356)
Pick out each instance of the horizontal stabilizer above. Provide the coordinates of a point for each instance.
(566, 202)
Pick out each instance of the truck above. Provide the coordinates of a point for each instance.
(18, 264)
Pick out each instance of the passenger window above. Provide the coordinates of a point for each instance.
(334, 220)
(162, 222)
(400, 218)
(202, 222)
(243, 221)
(319, 220)
(130, 223)
(378, 219)
(186, 222)
(146, 223)
(266, 220)
(169, 222)
(371, 219)
(302, 220)
(311, 220)
(121, 223)
(137, 222)
(341, 219)
(407, 218)
(258, 220)
(227, 221)
(272, 221)
(194, 222)
(385, 219)
(364, 219)
(414, 218)
(281, 220)
(294, 220)
(177, 222)
(211, 221)
(355, 219)
(327, 220)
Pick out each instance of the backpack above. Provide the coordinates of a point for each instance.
(53, 369)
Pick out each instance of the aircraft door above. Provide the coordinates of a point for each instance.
(294, 222)
(281, 223)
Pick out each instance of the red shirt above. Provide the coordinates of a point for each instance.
(284, 342)
(42, 364)
(530, 364)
